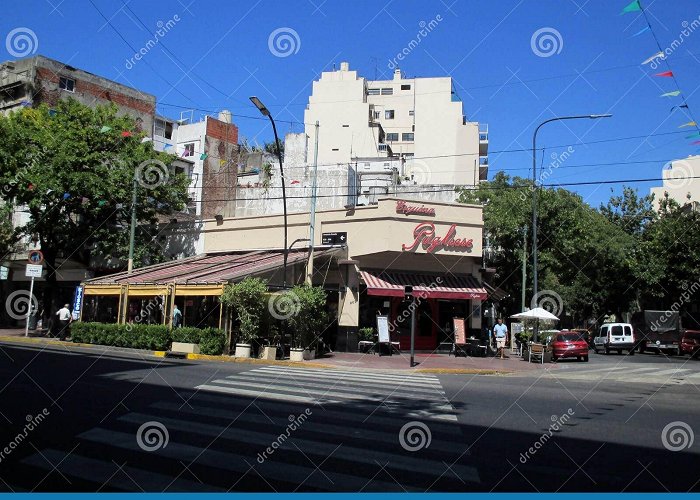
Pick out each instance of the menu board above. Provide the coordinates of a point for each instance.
(383, 329)
(460, 335)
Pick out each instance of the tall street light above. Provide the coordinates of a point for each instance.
(266, 112)
(534, 197)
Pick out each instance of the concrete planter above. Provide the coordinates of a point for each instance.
(268, 353)
(185, 348)
(309, 354)
(242, 350)
(296, 354)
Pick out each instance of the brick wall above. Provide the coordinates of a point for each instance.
(220, 169)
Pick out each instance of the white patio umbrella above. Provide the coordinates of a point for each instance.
(536, 313)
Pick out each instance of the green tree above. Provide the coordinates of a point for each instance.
(310, 317)
(247, 299)
(629, 211)
(72, 169)
(579, 250)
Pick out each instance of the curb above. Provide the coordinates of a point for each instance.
(59, 343)
(255, 361)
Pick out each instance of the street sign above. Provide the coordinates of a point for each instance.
(36, 257)
(334, 238)
(33, 271)
(4, 272)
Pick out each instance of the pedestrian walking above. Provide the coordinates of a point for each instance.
(64, 319)
(177, 317)
(500, 331)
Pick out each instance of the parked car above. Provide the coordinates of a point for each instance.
(569, 344)
(585, 334)
(658, 331)
(690, 343)
(615, 337)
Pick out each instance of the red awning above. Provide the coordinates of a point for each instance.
(390, 284)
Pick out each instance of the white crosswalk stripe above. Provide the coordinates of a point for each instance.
(687, 373)
(350, 442)
(338, 386)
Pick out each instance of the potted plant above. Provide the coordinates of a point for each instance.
(308, 321)
(365, 334)
(269, 352)
(247, 299)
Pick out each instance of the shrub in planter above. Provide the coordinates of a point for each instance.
(247, 298)
(310, 318)
(137, 336)
(210, 340)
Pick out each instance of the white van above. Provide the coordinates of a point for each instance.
(614, 336)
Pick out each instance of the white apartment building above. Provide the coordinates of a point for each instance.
(681, 182)
(417, 119)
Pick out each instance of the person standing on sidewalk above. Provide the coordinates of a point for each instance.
(500, 332)
(64, 319)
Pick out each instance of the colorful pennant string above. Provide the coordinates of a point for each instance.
(665, 73)
(689, 124)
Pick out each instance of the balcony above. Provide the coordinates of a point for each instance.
(483, 168)
(483, 140)
(385, 148)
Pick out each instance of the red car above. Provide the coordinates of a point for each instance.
(690, 342)
(568, 344)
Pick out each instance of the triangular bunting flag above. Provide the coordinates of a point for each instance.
(222, 162)
(105, 129)
(52, 113)
(203, 156)
(31, 187)
(691, 136)
(689, 124)
(671, 94)
(101, 203)
(24, 104)
(633, 7)
(66, 196)
(295, 182)
(126, 133)
(695, 143)
(640, 32)
(665, 73)
(655, 56)
(167, 146)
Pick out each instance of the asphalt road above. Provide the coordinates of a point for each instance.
(128, 423)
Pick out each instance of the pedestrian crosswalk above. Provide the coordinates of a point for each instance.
(683, 373)
(360, 431)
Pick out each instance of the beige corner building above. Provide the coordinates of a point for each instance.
(681, 182)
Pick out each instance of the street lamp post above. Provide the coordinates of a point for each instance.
(534, 198)
(265, 112)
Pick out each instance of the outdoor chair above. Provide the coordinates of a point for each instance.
(536, 351)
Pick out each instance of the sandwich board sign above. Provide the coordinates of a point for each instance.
(383, 329)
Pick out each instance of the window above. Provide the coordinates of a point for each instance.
(377, 114)
(389, 114)
(373, 91)
(405, 87)
(163, 129)
(392, 136)
(189, 150)
(407, 136)
(411, 112)
(616, 330)
(67, 84)
(388, 91)
(346, 126)
(335, 149)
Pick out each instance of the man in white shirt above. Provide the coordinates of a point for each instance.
(500, 331)
(64, 319)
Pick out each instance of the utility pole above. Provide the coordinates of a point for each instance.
(312, 224)
(132, 235)
(522, 298)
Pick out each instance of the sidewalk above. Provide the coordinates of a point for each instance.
(425, 362)
(436, 363)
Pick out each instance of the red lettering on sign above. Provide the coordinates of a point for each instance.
(403, 208)
(424, 234)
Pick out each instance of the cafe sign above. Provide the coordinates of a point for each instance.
(403, 208)
(424, 235)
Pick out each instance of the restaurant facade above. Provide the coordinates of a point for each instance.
(363, 256)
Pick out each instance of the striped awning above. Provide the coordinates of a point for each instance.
(391, 284)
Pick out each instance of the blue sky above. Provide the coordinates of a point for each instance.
(216, 54)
